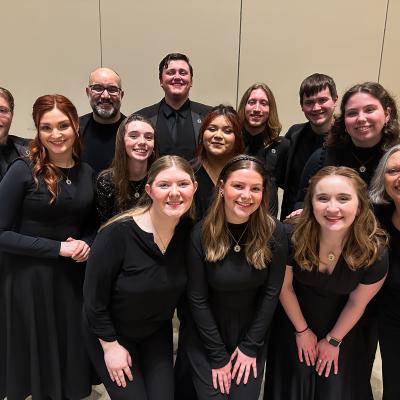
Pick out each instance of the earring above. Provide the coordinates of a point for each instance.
(221, 192)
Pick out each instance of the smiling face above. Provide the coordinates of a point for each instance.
(176, 80)
(335, 203)
(256, 111)
(392, 177)
(365, 118)
(219, 138)
(171, 192)
(242, 193)
(57, 135)
(319, 108)
(139, 140)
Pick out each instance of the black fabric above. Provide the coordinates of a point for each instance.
(105, 196)
(321, 297)
(232, 305)
(41, 349)
(13, 148)
(204, 192)
(274, 157)
(347, 156)
(98, 142)
(190, 118)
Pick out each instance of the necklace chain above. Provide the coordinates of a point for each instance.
(237, 247)
(163, 248)
(362, 168)
(137, 188)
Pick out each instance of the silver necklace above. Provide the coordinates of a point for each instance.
(137, 188)
(237, 247)
(163, 247)
(362, 168)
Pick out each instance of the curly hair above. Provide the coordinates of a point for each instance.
(38, 154)
(364, 240)
(390, 132)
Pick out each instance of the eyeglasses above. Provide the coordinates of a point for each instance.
(393, 171)
(99, 89)
(4, 111)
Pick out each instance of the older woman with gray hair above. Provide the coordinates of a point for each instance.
(385, 195)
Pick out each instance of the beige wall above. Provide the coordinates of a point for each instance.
(50, 46)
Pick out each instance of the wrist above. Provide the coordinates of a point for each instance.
(108, 345)
(302, 332)
(333, 341)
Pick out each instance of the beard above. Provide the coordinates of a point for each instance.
(106, 113)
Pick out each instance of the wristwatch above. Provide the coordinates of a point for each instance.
(333, 341)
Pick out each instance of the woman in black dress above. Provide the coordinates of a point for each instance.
(45, 232)
(236, 262)
(120, 187)
(261, 129)
(220, 139)
(385, 195)
(339, 263)
(134, 280)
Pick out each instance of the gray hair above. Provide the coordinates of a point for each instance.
(377, 192)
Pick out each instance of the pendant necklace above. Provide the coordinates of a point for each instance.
(362, 168)
(66, 176)
(163, 247)
(237, 247)
(331, 256)
(138, 187)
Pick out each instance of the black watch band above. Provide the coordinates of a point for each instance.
(333, 341)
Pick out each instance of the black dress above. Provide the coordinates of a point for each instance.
(105, 196)
(322, 297)
(389, 308)
(41, 350)
(131, 291)
(232, 305)
(204, 193)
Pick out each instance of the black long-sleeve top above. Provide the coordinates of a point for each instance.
(131, 289)
(232, 302)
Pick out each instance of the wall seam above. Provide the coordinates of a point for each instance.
(239, 48)
(383, 40)
(100, 35)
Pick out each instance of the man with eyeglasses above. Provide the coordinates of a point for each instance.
(11, 147)
(98, 128)
(176, 118)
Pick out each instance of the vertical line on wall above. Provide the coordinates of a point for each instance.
(240, 44)
(100, 36)
(383, 40)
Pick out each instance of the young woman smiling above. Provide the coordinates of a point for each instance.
(120, 187)
(236, 261)
(45, 233)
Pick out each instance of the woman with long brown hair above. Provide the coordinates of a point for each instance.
(339, 263)
(120, 187)
(45, 233)
(236, 261)
(134, 280)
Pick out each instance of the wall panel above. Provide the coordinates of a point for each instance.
(285, 41)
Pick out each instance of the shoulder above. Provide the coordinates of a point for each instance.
(83, 119)
(150, 110)
(19, 140)
(199, 107)
(377, 270)
(294, 130)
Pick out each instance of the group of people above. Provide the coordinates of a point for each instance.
(108, 224)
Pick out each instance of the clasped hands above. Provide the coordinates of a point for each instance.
(320, 354)
(78, 250)
(242, 366)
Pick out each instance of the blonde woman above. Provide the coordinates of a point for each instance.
(236, 265)
(134, 280)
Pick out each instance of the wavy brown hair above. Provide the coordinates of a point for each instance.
(391, 130)
(118, 171)
(364, 240)
(273, 128)
(145, 201)
(38, 154)
(215, 236)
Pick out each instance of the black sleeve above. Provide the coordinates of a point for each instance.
(198, 300)
(269, 298)
(103, 266)
(92, 222)
(283, 152)
(104, 198)
(377, 270)
(313, 165)
(13, 189)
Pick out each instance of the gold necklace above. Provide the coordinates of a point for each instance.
(163, 249)
(237, 247)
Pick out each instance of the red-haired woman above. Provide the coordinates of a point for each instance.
(45, 211)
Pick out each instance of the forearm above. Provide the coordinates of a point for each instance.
(291, 306)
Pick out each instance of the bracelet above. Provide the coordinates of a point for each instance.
(300, 332)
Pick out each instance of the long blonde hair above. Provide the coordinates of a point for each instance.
(364, 241)
(215, 236)
(145, 201)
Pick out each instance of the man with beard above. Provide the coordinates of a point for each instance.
(176, 118)
(98, 129)
(318, 98)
